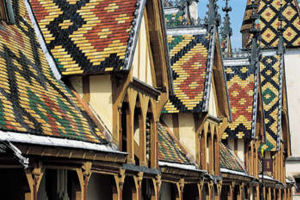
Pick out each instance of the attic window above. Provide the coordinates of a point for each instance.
(7, 12)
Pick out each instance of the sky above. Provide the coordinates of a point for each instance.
(236, 16)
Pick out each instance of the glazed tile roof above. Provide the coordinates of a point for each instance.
(271, 72)
(32, 100)
(169, 149)
(189, 61)
(242, 93)
(228, 160)
(174, 19)
(269, 11)
(87, 36)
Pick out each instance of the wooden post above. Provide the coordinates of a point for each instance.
(119, 183)
(34, 178)
(84, 175)
(157, 186)
(231, 191)
(241, 191)
(181, 188)
(257, 193)
(219, 190)
(138, 184)
(200, 188)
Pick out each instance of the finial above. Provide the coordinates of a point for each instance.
(255, 31)
(226, 30)
(281, 48)
(212, 18)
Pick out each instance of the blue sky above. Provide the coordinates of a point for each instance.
(237, 14)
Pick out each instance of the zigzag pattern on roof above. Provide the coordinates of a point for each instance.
(241, 89)
(189, 57)
(32, 100)
(269, 11)
(86, 36)
(271, 86)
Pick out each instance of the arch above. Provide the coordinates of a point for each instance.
(190, 192)
(205, 192)
(148, 189)
(225, 192)
(101, 186)
(169, 191)
(129, 188)
(59, 183)
(138, 128)
(151, 135)
(202, 144)
(209, 149)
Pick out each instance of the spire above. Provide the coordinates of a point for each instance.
(213, 18)
(281, 48)
(226, 31)
(255, 31)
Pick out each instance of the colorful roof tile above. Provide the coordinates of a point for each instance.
(169, 149)
(32, 100)
(271, 70)
(175, 19)
(228, 160)
(243, 94)
(87, 36)
(269, 11)
(189, 61)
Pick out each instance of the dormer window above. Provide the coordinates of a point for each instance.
(6, 11)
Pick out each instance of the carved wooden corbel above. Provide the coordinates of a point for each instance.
(34, 177)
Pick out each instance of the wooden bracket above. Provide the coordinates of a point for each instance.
(181, 185)
(34, 177)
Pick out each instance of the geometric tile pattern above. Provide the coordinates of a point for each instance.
(228, 160)
(169, 149)
(189, 56)
(270, 72)
(241, 88)
(175, 19)
(31, 99)
(86, 36)
(269, 11)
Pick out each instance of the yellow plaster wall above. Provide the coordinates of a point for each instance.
(101, 98)
(168, 120)
(241, 150)
(76, 82)
(187, 133)
(212, 108)
(141, 60)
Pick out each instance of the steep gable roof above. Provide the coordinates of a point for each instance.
(271, 72)
(32, 101)
(189, 55)
(169, 148)
(242, 83)
(269, 12)
(89, 36)
(228, 160)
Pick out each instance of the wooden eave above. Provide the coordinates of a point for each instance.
(227, 177)
(145, 88)
(171, 174)
(70, 153)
